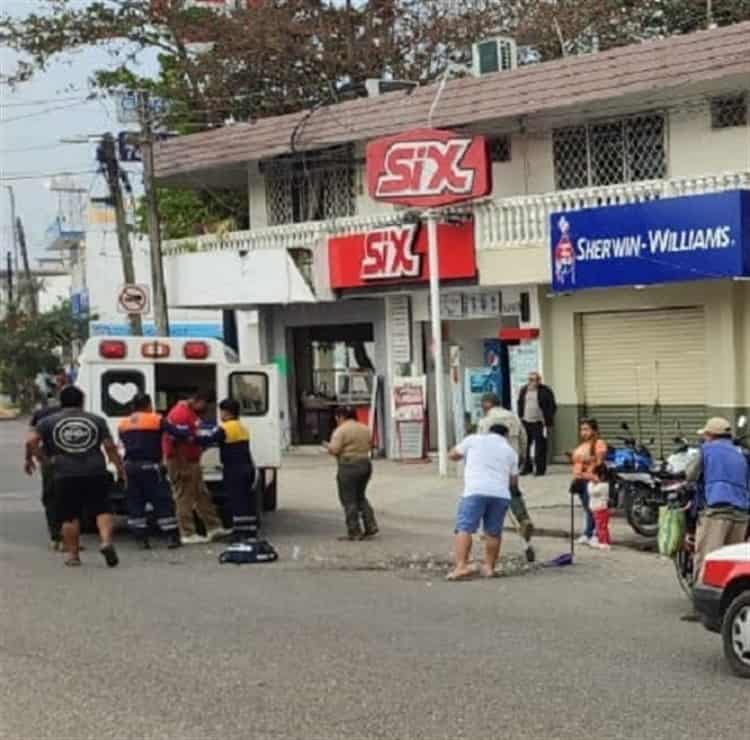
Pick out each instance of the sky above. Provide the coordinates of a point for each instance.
(34, 117)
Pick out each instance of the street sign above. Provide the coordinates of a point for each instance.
(129, 144)
(134, 299)
(428, 168)
(128, 103)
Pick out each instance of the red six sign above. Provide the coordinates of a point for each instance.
(428, 168)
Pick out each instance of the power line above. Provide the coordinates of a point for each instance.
(40, 148)
(44, 175)
(43, 112)
(41, 101)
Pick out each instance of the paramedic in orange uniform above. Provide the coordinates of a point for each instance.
(141, 436)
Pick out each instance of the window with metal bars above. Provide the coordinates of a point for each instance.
(729, 111)
(610, 152)
(500, 149)
(310, 186)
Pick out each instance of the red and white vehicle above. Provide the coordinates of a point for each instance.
(114, 369)
(723, 600)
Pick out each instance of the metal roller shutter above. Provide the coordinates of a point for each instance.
(647, 368)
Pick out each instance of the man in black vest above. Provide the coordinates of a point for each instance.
(536, 408)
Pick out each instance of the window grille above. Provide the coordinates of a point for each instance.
(610, 152)
(310, 186)
(728, 112)
(500, 149)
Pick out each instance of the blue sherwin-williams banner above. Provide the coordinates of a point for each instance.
(697, 237)
(197, 330)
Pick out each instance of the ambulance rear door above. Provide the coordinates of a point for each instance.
(256, 388)
(114, 386)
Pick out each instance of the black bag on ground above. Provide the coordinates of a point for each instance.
(259, 551)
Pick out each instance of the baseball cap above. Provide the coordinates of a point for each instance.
(716, 425)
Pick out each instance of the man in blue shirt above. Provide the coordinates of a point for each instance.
(723, 473)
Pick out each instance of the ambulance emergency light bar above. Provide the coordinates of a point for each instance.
(113, 349)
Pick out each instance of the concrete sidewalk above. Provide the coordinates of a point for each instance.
(414, 495)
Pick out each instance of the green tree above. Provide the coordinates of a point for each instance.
(31, 345)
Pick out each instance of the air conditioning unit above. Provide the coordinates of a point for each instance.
(376, 87)
(498, 54)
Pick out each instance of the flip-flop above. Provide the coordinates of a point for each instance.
(456, 577)
(72, 562)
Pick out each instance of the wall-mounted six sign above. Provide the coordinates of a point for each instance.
(696, 237)
(428, 168)
(396, 255)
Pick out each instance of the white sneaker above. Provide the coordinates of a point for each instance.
(215, 534)
(602, 546)
(194, 539)
(583, 540)
(594, 541)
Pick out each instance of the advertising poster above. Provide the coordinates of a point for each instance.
(408, 402)
(477, 382)
(524, 359)
(457, 393)
(493, 361)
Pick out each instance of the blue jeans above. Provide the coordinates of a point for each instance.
(489, 510)
(581, 488)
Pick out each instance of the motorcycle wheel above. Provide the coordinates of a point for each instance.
(642, 516)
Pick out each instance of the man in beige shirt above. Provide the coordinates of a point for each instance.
(351, 444)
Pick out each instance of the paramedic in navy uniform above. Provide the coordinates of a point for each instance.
(141, 436)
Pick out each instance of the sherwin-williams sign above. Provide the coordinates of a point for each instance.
(698, 237)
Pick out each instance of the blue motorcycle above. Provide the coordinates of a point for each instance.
(634, 483)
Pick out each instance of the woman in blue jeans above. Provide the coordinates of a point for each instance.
(590, 453)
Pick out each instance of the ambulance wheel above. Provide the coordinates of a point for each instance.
(270, 489)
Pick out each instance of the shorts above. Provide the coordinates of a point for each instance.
(490, 510)
(89, 494)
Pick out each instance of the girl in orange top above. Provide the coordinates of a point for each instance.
(589, 454)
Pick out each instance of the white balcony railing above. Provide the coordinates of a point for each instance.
(518, 221)
(288, 236)
(523, 221)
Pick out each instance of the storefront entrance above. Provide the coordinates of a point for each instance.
(333, 365)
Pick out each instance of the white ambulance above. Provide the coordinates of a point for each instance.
(114, 369)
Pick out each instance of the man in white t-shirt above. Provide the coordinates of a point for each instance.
(491, 469)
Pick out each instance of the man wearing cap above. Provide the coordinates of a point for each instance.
(723, 474)
(495, 414)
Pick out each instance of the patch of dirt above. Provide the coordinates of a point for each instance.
(419, 567)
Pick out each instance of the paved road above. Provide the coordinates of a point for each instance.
(343, 642)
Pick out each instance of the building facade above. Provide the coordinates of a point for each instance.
(656, 331)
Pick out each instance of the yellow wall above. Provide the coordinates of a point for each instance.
(727, 311)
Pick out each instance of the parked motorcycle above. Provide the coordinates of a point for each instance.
(638, 480)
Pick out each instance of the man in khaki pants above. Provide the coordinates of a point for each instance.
(351, 444)
(186, 475)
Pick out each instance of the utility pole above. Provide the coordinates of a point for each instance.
(710, 14)
(158, 287)
(30, 284)
(107, 157)
(9, 284)
(12, 195)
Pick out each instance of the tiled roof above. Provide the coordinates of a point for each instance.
(638, 69)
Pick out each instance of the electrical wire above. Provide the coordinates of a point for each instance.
(44, 175)
(43, 112)
(41, 101)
